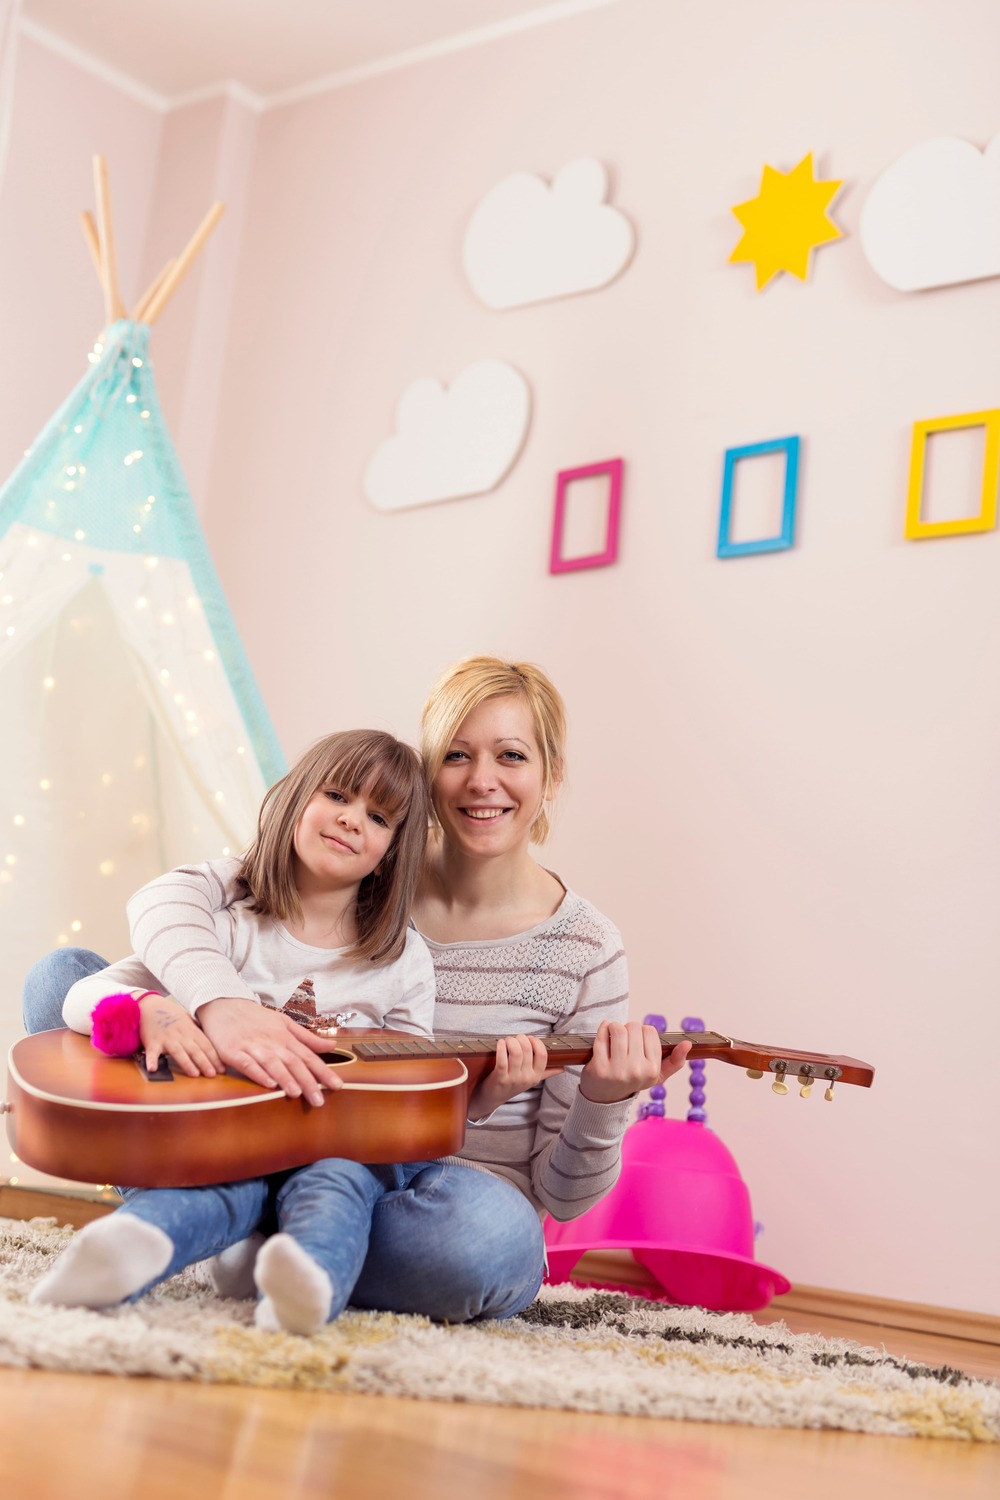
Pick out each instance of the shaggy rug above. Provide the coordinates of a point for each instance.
(574, 1349)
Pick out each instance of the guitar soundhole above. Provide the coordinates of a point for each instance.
(338, 1055)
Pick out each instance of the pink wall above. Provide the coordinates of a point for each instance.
(206, 155)
(778, 784)
(51, 308)
(781, 779)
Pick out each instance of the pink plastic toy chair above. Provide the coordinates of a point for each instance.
(681, 1207)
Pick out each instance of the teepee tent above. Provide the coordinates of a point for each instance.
(134, 737)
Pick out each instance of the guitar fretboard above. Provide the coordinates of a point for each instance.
(460, 1044)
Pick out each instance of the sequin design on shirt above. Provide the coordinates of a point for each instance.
(301, 1003)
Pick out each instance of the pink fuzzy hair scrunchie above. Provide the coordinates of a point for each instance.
(115, 1025)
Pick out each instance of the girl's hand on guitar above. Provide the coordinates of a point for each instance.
(627, 1058)
(269, 1048)
(166, 1027)
(521, 1062)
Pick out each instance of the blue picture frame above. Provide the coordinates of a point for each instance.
(786, 536)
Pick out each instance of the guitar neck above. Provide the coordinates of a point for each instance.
(570, 1049)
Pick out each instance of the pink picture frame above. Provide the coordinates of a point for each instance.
(614, 469)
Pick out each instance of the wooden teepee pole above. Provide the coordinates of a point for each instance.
(173, 277)
(93, 241)
(138, 313)
(113, 305)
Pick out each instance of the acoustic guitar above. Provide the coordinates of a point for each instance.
(76, 1113)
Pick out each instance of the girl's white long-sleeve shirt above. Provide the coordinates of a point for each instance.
(235, 951)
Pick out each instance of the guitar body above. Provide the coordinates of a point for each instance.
(73, 1112)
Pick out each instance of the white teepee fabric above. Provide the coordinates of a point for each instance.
(133, 737)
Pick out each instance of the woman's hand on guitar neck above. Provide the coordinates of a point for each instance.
(268, 1047)
(627, 1058)
(521, 1062)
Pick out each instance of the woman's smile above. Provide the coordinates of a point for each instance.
(494, 754)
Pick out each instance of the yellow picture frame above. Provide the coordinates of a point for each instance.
(986, 520)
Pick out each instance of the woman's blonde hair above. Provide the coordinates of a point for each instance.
(356, 762)
(465, 685)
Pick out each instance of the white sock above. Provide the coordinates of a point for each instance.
(297, 1291)
(231, 1271)
(105, 1263)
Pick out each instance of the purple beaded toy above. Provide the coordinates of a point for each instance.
(655, 1104)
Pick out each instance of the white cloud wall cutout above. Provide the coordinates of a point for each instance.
(528, 242)
(451, 442)
(933, 217)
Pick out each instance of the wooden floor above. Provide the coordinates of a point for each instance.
(105, 1438)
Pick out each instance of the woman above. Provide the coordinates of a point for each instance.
(516, 954)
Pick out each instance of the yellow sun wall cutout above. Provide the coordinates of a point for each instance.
(786, 221)
(987, 517)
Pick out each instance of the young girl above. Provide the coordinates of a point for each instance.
(317, 922)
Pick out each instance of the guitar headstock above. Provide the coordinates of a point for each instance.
(784, 1064)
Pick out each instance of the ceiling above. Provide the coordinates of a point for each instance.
(176, 48)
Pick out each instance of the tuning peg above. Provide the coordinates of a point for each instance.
(806, 1080)
(779, 1086)
(755, 1073)
(828, 1096)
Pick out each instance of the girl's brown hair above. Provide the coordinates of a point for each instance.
(468, 683)
(355, 762)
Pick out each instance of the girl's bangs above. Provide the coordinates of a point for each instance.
(387, 778)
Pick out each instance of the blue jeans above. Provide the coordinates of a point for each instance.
(49, 981)
(437, 1238)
